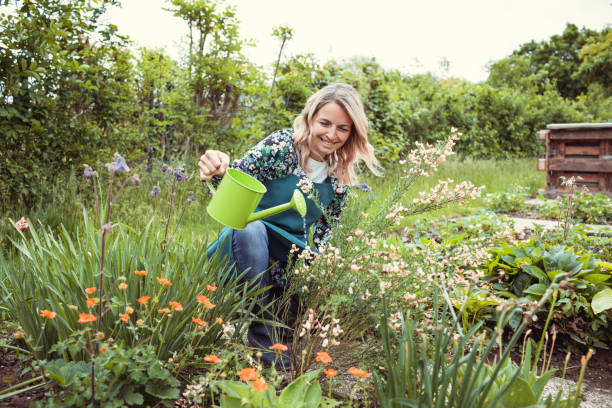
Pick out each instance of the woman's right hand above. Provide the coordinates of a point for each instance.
(213, 163)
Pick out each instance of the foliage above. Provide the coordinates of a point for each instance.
(443, 366)
(590, 208)
(124, 377)
(62, 95)
(568, 61)
(38, 281)
(527, 269)
(507, 201)
(303, 392)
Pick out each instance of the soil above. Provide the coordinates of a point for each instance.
(598, 373)
(10, 375)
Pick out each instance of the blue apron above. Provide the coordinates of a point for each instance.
(285, 228)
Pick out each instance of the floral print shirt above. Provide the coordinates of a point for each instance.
(275, 157)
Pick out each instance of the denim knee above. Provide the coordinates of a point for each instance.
(250, 248)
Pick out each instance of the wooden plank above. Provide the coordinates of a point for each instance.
(582, 150)
(577, 126)
(575, 164)
(586, 177)
(542, 164)
(599, 134)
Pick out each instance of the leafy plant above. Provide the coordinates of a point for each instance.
(124, 377)
(445, 367)
(303, 392)
(527, 269)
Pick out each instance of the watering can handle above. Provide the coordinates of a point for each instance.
(210, 187)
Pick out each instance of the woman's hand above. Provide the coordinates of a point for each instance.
(213, 163)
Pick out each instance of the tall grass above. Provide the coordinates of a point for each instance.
(496, 175)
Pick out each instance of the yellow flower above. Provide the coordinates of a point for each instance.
(122, 286)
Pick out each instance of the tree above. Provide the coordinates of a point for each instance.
(62, 92)
(556, 61)
(219, 75)
(283, 33)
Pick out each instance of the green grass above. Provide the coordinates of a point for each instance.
(495, 175)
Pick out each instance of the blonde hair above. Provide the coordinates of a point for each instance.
(356, 147)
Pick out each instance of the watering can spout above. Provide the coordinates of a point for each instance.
(297, 202)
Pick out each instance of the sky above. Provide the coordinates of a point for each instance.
(414, 36)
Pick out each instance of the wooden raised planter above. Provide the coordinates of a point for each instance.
(579, 150)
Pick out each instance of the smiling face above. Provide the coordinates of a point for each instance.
(330, 129)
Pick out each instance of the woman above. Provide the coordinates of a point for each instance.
(320, 153)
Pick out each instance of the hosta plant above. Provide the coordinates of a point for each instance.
(527, 269)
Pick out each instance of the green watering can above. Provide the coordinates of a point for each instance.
(237, 197)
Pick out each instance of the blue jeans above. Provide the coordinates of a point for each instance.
(252, 252)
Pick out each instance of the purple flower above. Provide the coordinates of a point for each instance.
(155, 191)
(178, 173)
(164, 168)
(119, 164)
(190, 197)
(363, 187)
(88, 172)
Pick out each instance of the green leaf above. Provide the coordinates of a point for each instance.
(134, 399)
(602, 301)
(294, 393)
(519, 395)
(596, 278)
(536, 289)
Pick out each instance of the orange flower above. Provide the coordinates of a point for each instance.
(163, 310)
(122, 286)
(358, 373)
(199, 321)
(143, 299)
(212, 288)
(125, 317)
(48, 314)
(205, 301)
(278, 346)
(330, 372)
(259, 385)
(219, 320)
(212, 359)
(176, 306)
(129, 309)
(248, 374)
(86, 318)
(323, 357)
(141, 273)
(90, 291)
(164, 281)
(91, 302)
